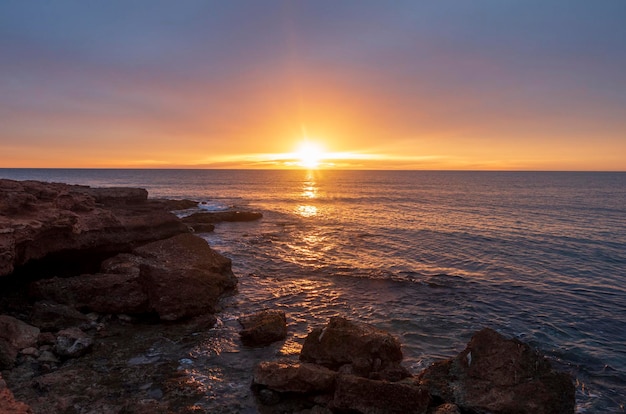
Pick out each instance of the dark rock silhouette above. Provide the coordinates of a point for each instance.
(498, 375)
(492, 375)
(355, 347)
(263, 328)
(176, 278)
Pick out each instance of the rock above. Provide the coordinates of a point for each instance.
(8, 404)
(288, 376)
(74, 223)
(499, 375)
(176, 278)
(51, 316)
(46, 338)
(47, 357)
(183, 276)
(30, 351)
(217, 216)
(371, 352)
(379, 397)
(8, 355)
(173, 205)
(17, 333)
(103, 293)
(72, 343)
(263, 328)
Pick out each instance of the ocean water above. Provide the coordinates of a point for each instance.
(430, 256)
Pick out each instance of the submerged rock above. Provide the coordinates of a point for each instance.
(498, 375)
(263, 328)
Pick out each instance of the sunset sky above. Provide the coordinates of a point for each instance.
(486, 84)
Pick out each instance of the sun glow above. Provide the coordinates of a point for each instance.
(309, 155)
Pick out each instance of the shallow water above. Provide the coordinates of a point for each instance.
(430, 256)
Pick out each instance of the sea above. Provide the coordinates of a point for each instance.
(430, 256)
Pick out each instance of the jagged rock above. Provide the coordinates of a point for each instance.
(40, 220)
(72, 343)
(51, 316)
(8, 404)
(17, 333)
(379, 397)
(183, 276)
(370, 352)
(289, 376)
(263, 328)
(176, 278)
(498, 375)
(217, 216)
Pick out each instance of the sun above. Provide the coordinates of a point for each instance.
(309, 155)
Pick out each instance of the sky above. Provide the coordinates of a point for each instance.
(446, 84)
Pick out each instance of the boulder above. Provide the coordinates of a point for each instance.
(290, 376)
(52, 316)
(498, 375)
(8, 404)
(40, 220)
(369, 352)
(17, 333)
(176, 278)
(263, 328)
(72, 343)
(183, 276)
(379, 397)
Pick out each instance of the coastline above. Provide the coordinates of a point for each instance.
(125, 330)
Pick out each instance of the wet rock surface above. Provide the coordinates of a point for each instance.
(492, 375)
(355, 347)
(263, 328)
(499, 375)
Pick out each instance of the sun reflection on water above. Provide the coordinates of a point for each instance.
(309, 191)
(307, 211)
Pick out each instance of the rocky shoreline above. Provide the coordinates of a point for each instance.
(92, 278)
